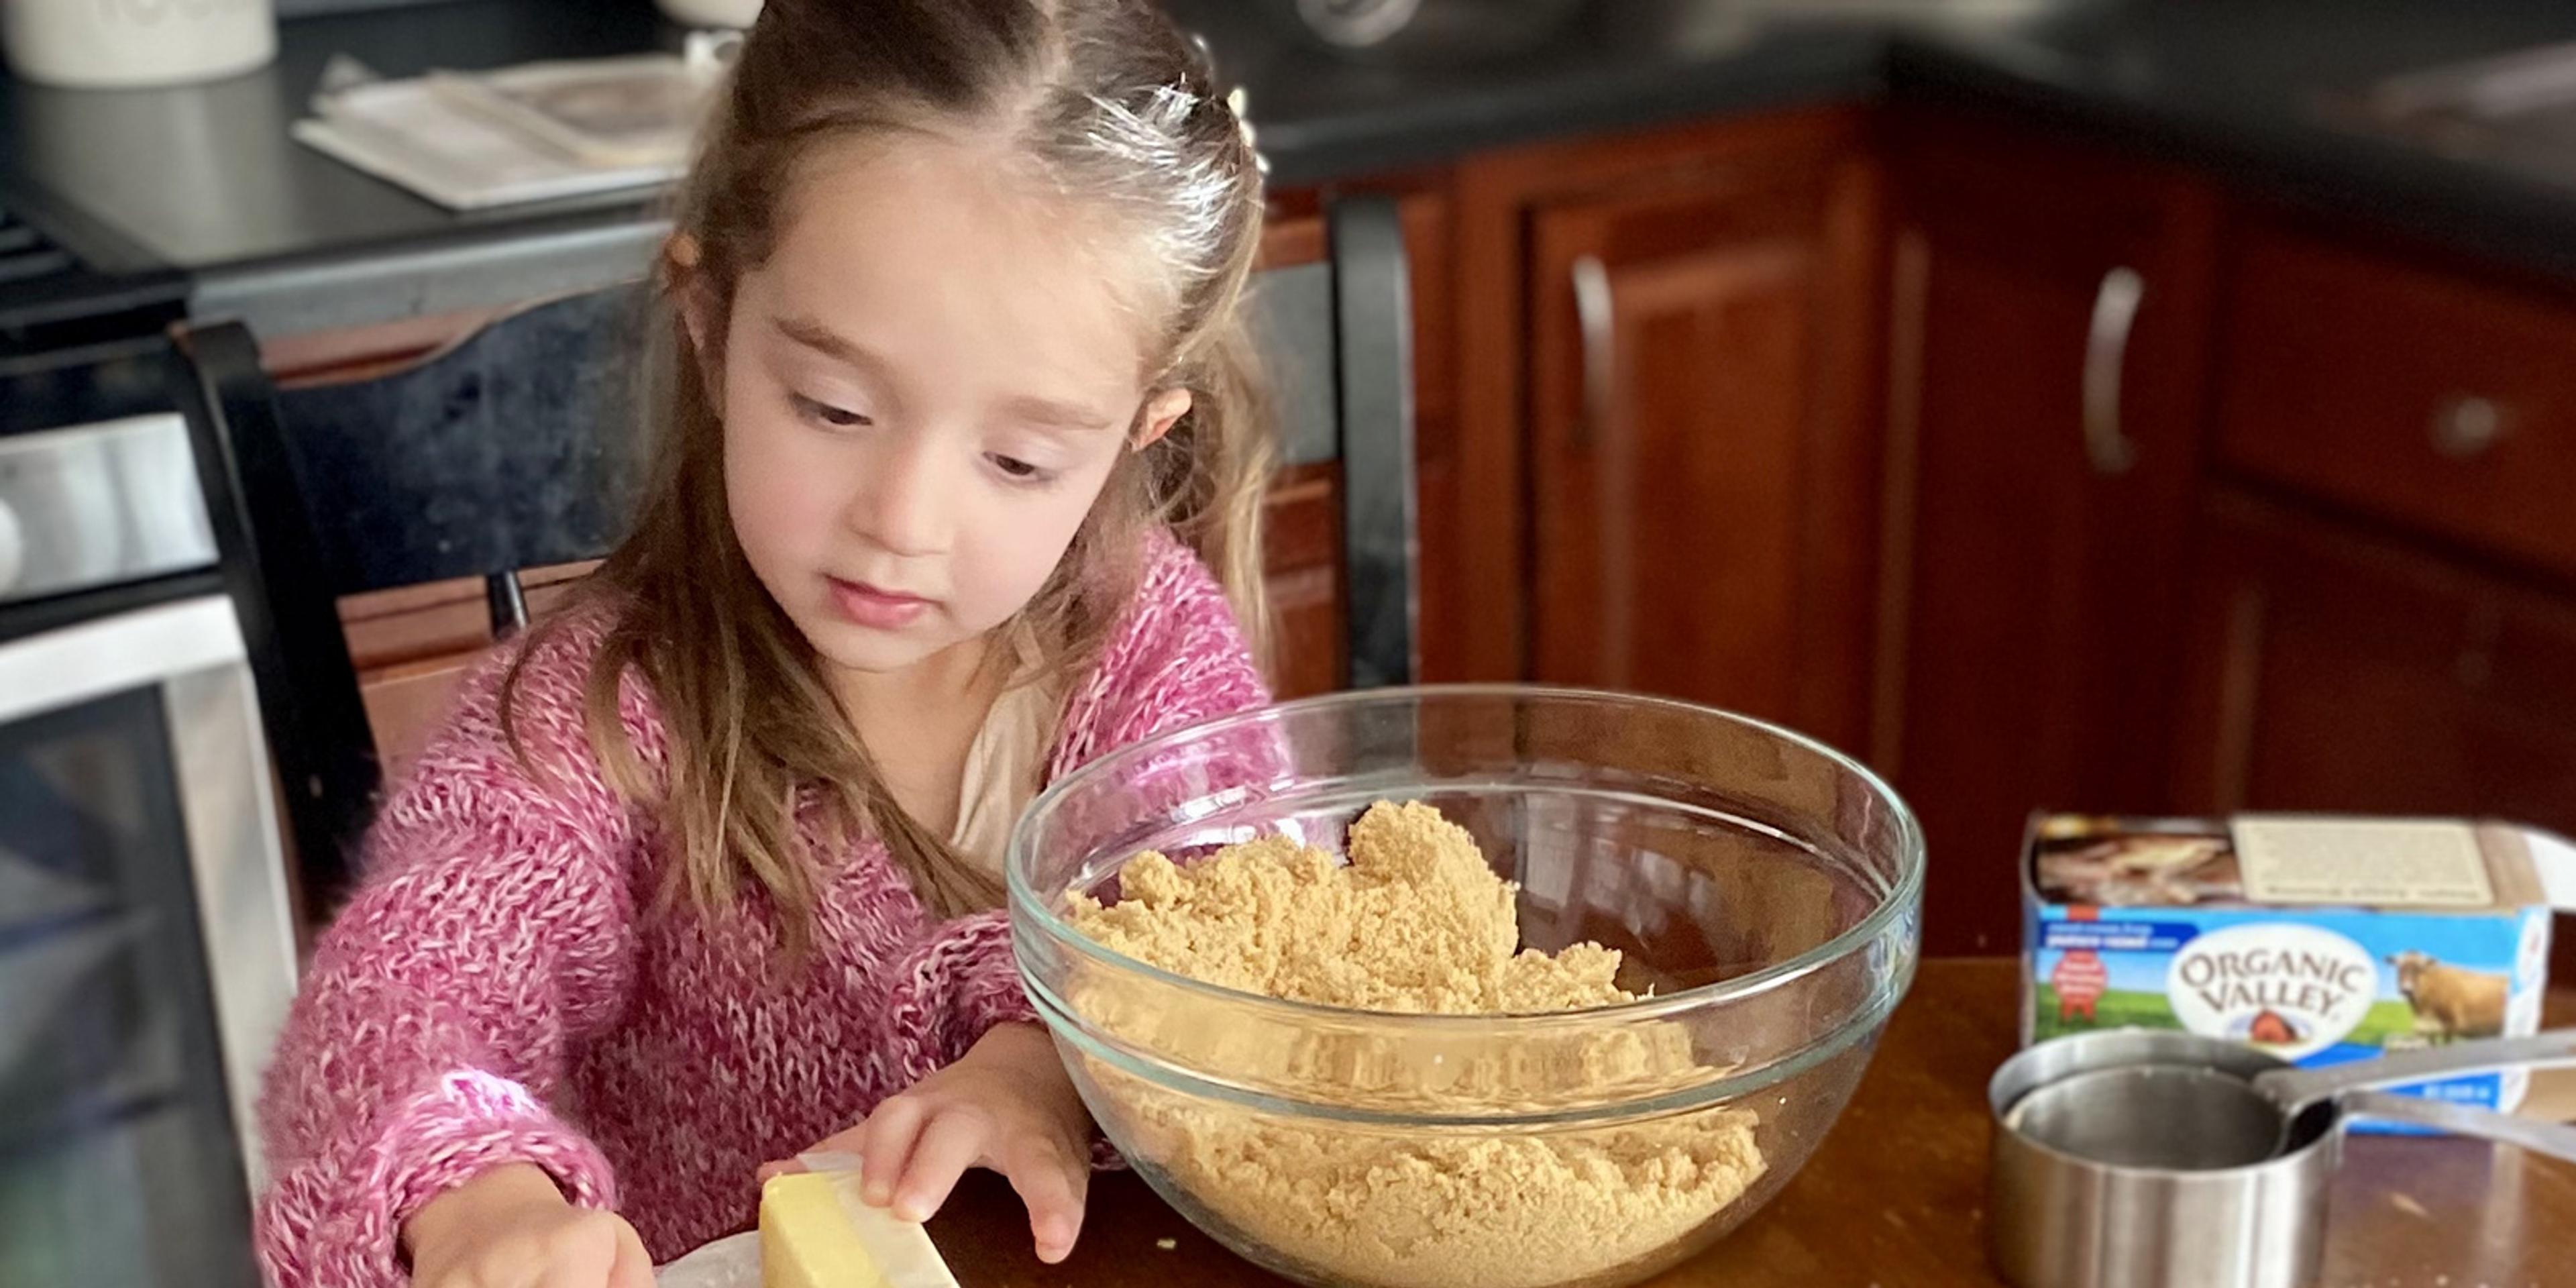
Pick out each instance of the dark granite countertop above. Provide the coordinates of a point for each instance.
(206, 180)
(2246, 89)
(1623, 64)
(205, 177)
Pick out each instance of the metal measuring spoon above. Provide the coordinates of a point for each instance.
(2186, 1117)
(2182, 1119)
(2295, 1089)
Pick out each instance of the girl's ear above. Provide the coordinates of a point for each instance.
(1161, 412)
(680, 259)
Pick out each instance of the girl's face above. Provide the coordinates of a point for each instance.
(924, 389)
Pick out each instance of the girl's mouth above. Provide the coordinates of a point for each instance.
(876, 609)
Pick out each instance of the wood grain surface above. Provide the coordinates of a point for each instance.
(1896, 1197)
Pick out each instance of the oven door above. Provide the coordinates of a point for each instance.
(146, 949)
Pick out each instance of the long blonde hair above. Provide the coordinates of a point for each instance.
(1114, 106)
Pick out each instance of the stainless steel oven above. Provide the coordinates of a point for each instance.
(147, 954)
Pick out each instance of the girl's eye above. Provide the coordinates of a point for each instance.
(1014, 468)
(826, 414)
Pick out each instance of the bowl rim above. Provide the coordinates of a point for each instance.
(1026, 909)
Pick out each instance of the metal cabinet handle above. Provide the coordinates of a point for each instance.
(1594, 310)
(2465, 426)
(2106, 359)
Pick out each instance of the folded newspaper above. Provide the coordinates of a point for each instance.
(472, 140)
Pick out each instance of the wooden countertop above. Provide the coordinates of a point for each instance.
(1896, 1196)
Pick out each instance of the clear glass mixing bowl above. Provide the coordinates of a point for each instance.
(1764, 889)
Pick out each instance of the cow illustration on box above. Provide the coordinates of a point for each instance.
(2450, 1002)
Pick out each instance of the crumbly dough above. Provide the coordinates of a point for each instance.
(1416, 922)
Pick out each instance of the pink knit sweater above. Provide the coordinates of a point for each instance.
(496, 992)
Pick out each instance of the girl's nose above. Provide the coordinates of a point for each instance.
(906, 507)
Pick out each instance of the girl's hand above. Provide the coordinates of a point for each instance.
(511, 1228)
(1007, 1106)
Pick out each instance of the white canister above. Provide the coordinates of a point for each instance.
(116, 44)
(711, 13)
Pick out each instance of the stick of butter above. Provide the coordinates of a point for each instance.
(815, 1232)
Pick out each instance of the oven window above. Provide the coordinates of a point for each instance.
(117, 1157)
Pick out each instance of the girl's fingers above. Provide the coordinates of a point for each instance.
(950, 1143)
(1054, 1187)
(886, 1142)
(634, 1268)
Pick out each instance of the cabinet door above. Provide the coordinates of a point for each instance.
(2332, 671)
(1302, 572)
(1701, 449)
(2049, 307)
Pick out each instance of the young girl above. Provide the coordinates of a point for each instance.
(705, 872)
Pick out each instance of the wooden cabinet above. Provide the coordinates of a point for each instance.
(2049, 309)
(1302, 557)
(1668, 348)
(1898, 431)
(2409, 389)
(2337, 670)
(1699, 436)
(2381, 615)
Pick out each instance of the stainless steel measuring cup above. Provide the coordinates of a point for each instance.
(2134, 1158)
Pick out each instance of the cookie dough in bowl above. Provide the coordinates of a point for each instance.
(1489, 986)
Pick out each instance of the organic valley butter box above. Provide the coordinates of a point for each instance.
(2321, 939)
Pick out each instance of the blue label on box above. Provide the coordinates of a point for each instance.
(2312, 985)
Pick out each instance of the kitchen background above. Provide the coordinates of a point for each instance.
(2124, 405)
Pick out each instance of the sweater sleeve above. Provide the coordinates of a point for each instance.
(952, 988)
(433, 1027)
